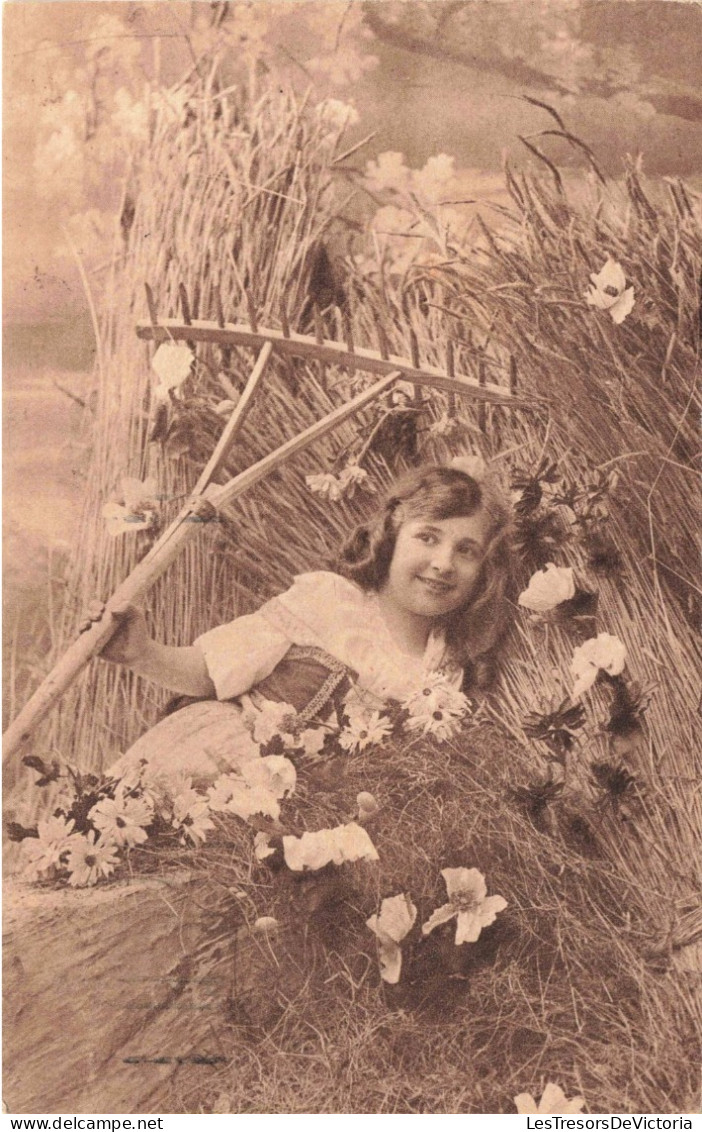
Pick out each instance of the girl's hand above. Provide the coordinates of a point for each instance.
(130, 641)
(182, 669)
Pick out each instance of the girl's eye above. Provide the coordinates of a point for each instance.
(426, 537)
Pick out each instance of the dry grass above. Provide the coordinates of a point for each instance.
(570, 986)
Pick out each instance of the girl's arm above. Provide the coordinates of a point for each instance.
(181, 670)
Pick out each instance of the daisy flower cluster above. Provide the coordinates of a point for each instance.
(96, 822)
(434, 707)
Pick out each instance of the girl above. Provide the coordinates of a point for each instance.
(420, 588)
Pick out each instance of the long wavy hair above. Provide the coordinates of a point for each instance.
(475, 632)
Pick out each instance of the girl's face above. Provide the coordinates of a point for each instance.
(435, 564)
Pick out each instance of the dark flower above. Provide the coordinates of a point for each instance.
(538, 536)
(582, 606)
(79, 810)
(556, 729)
(602, 553)
(47, 774)
(625, 723)
(17, 832)
(528, 487)
(616, 782)
(537, 796)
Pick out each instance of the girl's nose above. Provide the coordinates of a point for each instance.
(442, 559)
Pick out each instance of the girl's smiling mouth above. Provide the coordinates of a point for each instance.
(436, 585)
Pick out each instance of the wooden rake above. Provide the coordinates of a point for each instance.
(207, 497)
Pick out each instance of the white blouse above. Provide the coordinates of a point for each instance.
(329, 612)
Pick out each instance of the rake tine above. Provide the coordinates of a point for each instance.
(288, 366)
(383, 348)
(151, 304)
(225, 352)
(218, 306)
(451, 371)
(348, 337)
(318, 325)
(513, 383)
(187, 317)
(414, 355)
(251, 312)
(482, 415)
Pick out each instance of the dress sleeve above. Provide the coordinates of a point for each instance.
(242, 653)
(320, 609)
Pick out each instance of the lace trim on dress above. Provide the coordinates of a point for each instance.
(338, 672)
(281, 618)
(285, 684)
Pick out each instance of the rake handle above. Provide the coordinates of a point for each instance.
(90, 643)
(200, 509)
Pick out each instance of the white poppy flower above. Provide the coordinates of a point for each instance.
(353, 844)
(468, 902)
(310, 851)
(353, 476)
(610, 293)
(553, 1101)
(601, 652)
(396, 918)
(325, 484)
(231, 794)
(548, 588)
(171, 364)
(274, 773)
(344, 843)
(272, 719)
(312, 740)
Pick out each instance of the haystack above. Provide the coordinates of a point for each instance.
(583, 983)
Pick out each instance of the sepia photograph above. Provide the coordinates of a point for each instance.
(352, 589)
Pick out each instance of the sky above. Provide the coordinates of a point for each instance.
(452, 101)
